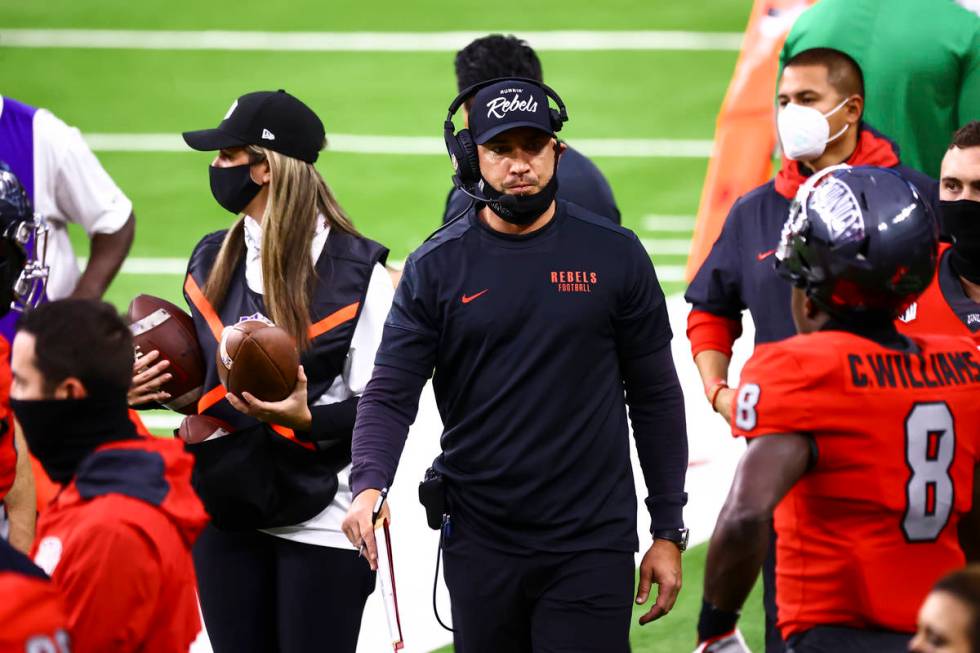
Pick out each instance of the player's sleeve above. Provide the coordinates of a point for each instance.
(715, 293)
(110, 578)
(775, 395)
(968, 106)
(82, 191)
(641, 322)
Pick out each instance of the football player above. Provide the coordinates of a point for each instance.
(951, 304)
(863, 443)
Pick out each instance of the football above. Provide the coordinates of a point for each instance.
(198, 428)
(156, 324)
(256, 357)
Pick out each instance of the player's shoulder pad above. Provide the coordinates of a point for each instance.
(447, 233)
(800, 357)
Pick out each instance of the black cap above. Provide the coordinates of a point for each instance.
(507, 105)
(272, 119)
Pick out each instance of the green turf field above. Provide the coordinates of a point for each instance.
(395, 199)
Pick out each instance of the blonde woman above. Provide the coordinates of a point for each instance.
(275, 572)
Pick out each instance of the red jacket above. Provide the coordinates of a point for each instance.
(31, 608)
(117, 543)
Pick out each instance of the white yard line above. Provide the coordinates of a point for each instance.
(684, 223)
(418, 145)
(661, 246)
(359, 41)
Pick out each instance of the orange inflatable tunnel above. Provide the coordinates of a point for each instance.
(744, 133)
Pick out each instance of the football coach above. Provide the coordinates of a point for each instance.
(542, 322)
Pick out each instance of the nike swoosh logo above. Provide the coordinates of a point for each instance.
(764, 255)
(468, 298)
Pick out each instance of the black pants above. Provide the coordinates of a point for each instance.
(266, 594)
(540, 603)
(774, 640)
(836, 639)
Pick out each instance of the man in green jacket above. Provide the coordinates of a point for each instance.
(921, 63)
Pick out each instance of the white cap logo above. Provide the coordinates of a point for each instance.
(268, 135)
(231, 109)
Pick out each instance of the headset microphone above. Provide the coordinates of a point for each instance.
(505, 201)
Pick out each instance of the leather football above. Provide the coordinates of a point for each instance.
(157, 324)
(258, 358)
(198, 428)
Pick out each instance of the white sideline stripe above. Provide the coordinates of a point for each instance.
(178, 266)
(661, 246)
(359, 41)
(668, 222)
(423, 145)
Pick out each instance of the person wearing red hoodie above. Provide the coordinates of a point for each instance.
(116, 540)
(821, 100)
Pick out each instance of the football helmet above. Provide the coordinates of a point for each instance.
(861, 241)
(23, 247)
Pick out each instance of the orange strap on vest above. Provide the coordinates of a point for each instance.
(216, 394)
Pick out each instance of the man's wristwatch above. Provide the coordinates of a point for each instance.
(676, 535)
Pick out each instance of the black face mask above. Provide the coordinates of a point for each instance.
(233, 187)
(961, 220)
(522, 209)
(62, 432)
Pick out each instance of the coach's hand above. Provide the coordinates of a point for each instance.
(723, 403)
(661, 565)
(292, 412)
(359, 528)
(147, 379)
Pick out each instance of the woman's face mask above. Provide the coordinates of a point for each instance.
(804, 131)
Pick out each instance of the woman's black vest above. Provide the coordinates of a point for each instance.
(262, 476)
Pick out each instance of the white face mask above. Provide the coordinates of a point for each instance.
(804, 131)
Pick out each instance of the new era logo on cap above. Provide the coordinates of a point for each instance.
(272, 119)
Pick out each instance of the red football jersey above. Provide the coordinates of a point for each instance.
(931, 313)
(864, 534)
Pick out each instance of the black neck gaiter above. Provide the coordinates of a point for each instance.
(522, 209)
(961, 220)
(62, 432)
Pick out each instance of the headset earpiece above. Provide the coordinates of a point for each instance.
(469, 159)
(556, 121)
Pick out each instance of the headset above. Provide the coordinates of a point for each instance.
(462, 149)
